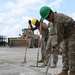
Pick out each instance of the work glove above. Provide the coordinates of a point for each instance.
(29, 22)
(30, 25)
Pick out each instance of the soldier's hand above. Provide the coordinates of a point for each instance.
(29, 22)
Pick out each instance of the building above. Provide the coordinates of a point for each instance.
(3, 40)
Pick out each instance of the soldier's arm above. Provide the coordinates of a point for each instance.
(66, 21)
(31, 27)
(46, 26)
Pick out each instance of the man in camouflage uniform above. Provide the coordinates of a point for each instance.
(65, 29)
(44, 33)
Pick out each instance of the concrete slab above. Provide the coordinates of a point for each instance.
(11, 62)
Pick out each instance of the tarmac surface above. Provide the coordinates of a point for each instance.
(12, 62)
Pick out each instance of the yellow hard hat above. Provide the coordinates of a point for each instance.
(33, 21)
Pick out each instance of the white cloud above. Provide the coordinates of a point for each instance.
(12, 31)
(0, 9)
(55, 4)
(30, 3)
(17, 12)
(10, 5)
(18, 26)
(17, 15)
(2, 16)
(25, 19)
(26, 4)
(11, 21)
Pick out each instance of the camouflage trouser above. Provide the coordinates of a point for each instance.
(52, 41)
(69, 53)
(43, 48)
(55, 59)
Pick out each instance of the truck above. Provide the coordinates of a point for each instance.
(27, 35)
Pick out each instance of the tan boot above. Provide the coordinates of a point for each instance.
(40, 61)
(63, 72)
(72, 73)
(53, 65)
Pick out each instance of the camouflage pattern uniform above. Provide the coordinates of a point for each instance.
(66, 31)
(52, 41)
(43, 46)
(43, 41)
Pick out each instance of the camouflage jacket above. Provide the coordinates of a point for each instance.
(52, 29)
(64, 26)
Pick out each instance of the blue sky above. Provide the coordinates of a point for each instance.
(14, 14)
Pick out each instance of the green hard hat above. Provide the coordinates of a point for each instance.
(44, 11)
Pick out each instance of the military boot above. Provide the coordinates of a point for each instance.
(53, 65)
(41, 61)
(63, 72)
(72, 73)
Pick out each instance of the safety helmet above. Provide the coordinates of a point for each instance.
(33, 21)
(44, 11)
